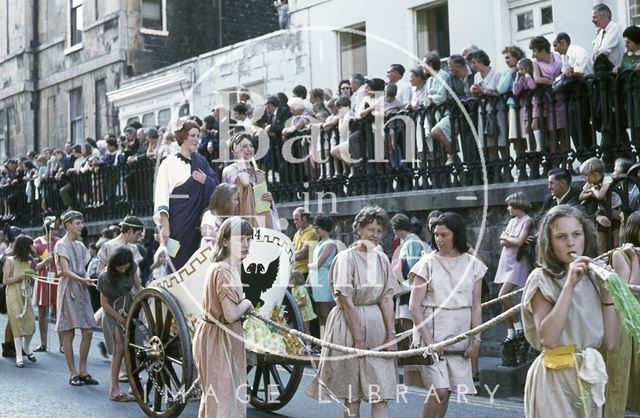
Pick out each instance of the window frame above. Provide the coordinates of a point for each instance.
(427, 8)
(77, 119)
(3, 134)
(156, 32)
(74, 5)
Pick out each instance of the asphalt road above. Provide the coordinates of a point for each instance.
(41, 390)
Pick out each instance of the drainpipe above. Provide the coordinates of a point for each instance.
(35, 95)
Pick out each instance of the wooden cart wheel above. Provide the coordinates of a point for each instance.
(273, 385)
(158, 353)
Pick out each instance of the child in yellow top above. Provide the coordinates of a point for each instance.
(301, 296)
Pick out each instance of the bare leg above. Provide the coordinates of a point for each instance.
(67, 343)
(85, 344)
(42, 324)
(380, 410)
(507, 303)
(436, 406)
(116, 360)
(354, 409)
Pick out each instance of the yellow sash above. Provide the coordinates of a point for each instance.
(560, 357)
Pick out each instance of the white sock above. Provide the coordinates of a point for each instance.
(536, 134)
(511, 334)
(27, 343)
(517, 326)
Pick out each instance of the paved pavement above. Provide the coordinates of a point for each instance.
(41, 390)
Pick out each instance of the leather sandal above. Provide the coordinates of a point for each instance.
(41, 348)
(75, 381)
(31, 357)
(88, 380)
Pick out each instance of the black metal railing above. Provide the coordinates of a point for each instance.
(399, 156)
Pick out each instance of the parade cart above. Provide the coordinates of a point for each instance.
(163, 316)
(162, 320)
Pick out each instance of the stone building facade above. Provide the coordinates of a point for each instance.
(59, 58)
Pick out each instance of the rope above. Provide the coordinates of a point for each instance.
(424, 351)
(503, 297)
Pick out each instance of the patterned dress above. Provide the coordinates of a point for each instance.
(74, 302)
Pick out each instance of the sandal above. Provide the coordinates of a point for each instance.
(120, 397)
(19, 364)
(123, 379)
(31, 357)
(88, 380)
(75, 381)
(41, 348)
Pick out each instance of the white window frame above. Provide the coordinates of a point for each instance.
(70, 5)
(78, 118)
(156, 32)
(3, 134)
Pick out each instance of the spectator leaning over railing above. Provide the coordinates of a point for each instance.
(576, 64)
(435, 94)
(522, 89)
(485, 83)
(357, 87)
(631, 62)
(547, 66)
(512, 54)
(394, 75)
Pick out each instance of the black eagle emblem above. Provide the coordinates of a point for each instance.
(255, 280)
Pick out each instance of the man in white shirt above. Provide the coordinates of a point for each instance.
(394, 75)
(609, 40)
(575, 63)
(357, 86)
(575, 59)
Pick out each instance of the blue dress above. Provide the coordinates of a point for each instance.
(322, 292)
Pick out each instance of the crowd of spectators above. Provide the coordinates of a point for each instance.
(529, 108)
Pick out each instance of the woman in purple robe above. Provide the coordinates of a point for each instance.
(183, 186)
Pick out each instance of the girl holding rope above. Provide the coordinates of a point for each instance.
(218, 344)
(363, 318)
(115, 285)
(444, 302)
(623, 363)
(17, 276)
(568, 315)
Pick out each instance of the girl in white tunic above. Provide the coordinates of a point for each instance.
(568, 315)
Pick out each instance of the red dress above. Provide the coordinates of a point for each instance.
(46, 292)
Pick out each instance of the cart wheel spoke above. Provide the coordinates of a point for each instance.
(171, 372)
(267, 381)
(166, 328)
(158, 318)
(287, 367)
(256, 381)
(276, 377)
(147, 313)
(138, 369)
(178, 362)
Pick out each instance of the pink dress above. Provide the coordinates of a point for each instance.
(510, 270)
(550, 70)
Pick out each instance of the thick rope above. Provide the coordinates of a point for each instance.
(501, 298)
(424, 351)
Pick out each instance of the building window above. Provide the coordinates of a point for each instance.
(3, 130)
(525, 21)
(154, 16)
(546, 15)
(164, 117)
(634, 12)
(102, 108)
(149, 120)
(75, 22)
(76, 116)
(353, 51)
(184, 110)
(133, 120)
(432, 28)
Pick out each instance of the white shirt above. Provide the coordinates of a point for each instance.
(357, 97)
(404, 92)
(577, 58)
(172, 173)
(609, 42)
